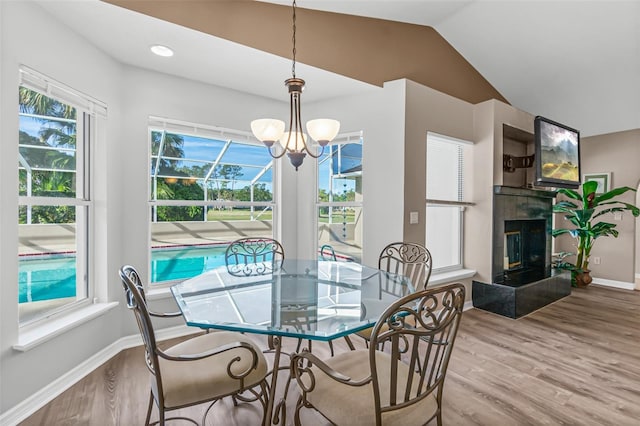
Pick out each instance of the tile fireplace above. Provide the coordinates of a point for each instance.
(522, 277)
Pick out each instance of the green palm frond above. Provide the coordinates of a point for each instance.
(582, 216)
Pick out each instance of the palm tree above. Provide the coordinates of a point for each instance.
(58, 129)
(231, 172)
(172, 147)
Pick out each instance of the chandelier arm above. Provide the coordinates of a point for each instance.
(316, 156)
(299, 122)
(291, 108)
(276, 156)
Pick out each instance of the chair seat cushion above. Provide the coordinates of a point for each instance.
(350, 405)
(185, 382)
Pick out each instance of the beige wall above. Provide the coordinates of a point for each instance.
(427, 110)
(619, 154)
(489, 118)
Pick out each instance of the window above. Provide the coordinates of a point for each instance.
(340, 199)
(56, 133)
(446, 170)
(208, 187)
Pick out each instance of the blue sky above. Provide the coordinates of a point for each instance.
(208, 149)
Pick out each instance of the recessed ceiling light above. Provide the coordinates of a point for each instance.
(161, 50)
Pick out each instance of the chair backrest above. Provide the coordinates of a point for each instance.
(137, 302)
(409, 259)
(253, 256)
(327, 253)
(419, 330)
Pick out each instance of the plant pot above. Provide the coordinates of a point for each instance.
(581, 279)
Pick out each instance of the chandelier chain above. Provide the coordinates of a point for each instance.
(293, 65)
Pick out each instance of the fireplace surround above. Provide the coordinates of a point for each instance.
(522, 277)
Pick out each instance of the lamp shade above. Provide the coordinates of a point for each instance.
(267, 130)
(323, 130)
(297, 142)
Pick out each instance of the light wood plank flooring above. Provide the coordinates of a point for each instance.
(575, 362)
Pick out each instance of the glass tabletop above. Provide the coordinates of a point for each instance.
(318, 300)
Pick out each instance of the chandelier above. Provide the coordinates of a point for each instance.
(294, 142)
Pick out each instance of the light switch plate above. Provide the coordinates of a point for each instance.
(413, 218)
(617, 216)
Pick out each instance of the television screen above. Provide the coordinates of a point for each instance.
(557, 154)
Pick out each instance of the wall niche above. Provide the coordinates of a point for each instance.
(518, 149)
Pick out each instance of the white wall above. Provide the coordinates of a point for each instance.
(38, 45)
(120, 178)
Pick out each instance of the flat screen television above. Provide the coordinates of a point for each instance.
(557, 154)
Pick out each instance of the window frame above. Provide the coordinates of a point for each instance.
(180, 127)
(87, 112)
(461, 202)
(340, 139)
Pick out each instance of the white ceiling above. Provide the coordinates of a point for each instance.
(577, 62)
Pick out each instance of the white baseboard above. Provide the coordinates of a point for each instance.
(467, 305)
(24, 409)
(612, 283)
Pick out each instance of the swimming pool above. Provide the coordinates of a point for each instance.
(185, 262)
(54, 277)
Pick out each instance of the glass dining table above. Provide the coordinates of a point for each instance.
(303, 299)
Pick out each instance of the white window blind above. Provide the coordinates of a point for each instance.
(40, 83)
(446, 168)
(446, 199)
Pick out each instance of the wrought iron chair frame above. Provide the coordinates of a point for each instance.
(136, 301)
(250, 256)
(420, 330)
(412, 260)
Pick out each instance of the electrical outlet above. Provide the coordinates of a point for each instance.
(596, 260)
(617, 216)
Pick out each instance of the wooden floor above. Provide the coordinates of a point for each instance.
(576, 362)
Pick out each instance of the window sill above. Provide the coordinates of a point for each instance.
(159, 293)
(41, 333)
(451, 276)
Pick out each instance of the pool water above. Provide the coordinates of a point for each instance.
(54, 277)
(46, 278)
(185, 262)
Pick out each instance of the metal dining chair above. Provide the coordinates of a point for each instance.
(409, 259)
(253, 256)
(400, 386)
(201, 369)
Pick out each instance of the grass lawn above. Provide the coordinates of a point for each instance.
(237, 214)
(348, 217)
(242, 214)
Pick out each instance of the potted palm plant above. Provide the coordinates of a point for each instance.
(583, 213)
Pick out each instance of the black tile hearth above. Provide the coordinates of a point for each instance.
(514, 299)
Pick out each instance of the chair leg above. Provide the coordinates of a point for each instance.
(296, 417)
(349, 343)
(161, 420)
(264, 401)
(146, 422)
(331, 347)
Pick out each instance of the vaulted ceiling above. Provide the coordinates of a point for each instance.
(577, 62)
